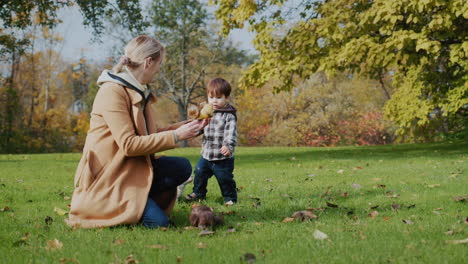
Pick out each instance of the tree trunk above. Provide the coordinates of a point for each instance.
(382, 85)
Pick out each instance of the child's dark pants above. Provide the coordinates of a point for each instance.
(222, 170)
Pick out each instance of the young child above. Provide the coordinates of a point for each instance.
(219, 140)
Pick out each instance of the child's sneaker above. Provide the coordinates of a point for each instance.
(229, 203)
(193, 197)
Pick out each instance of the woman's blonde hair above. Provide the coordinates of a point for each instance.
(137, 50)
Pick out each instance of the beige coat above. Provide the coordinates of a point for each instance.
(114, 175)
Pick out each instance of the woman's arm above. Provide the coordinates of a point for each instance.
(174, 126)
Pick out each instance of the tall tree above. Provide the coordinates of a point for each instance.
(421, 44)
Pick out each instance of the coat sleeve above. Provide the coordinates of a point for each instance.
(113, 105)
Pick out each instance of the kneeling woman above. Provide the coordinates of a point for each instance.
(119, 180)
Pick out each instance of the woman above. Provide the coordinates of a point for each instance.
(119, 180)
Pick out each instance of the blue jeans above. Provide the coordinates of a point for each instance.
(222, 170)
(168, 173)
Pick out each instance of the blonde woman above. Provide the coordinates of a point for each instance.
(119, 180)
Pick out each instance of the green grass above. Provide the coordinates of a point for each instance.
(422, 179)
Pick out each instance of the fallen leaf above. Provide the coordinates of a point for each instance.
(288, 220)
(292, 158)
(157, 246)
(162, 228)
(68, 260)
(304, 215)
(395, 207)
(345, 194)
(386, 218)
(356, 186)
(231, 230)
(373, 214)
(54, 244)
(408, 222)
(4, 209)
(248, 258)
(179, 259)
(131, 260)
(201, 245)
(340, 171)
(461, 198)
(358, 168)
(206, 233)
(190, 227)
(376, 179)
(332, 205)
(229, 213)
(319, 235)
(258, 223)
(383, 186)
(456, 242)
(66, 198)
(60, 211)
(361, 235)
(449, 232)
(268, 180)
(433, 185)
(118, 241)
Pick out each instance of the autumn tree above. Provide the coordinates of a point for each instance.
(421, 45)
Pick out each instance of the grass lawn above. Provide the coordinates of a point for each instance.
(384, 204)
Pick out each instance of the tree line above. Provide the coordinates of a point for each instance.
(328, 72)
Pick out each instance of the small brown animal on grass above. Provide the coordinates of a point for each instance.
(203, 216)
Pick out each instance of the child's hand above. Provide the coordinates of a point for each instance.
(225, 151)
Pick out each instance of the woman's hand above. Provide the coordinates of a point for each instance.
(191, 129)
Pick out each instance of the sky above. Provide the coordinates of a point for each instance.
(78, 39)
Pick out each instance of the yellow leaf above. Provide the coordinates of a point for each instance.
(54, 244)
(60, 211)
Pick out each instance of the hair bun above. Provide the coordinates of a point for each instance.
(125, 60)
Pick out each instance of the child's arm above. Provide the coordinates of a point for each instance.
(230, 134)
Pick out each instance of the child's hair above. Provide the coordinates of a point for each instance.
(218, 87)
(137, 50)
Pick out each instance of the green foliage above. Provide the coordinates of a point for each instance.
(422, 179)
(422, 42)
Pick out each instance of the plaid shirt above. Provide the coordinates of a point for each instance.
(221, 131)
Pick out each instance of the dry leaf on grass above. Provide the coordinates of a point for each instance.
(231, 230)
(201, 245)
(396, 207)
(4, 209)
(131, 260)
(48, 220)
(248, 258)
(319, 235)
(373, 214)
(118, 241)
(461, 198)
(408, 222)
(340, 171)
(68, 260)
(60, 211)
(356, 186)
(179, 259)
(287, 220)
(157, 246)
(456, 242)
(54, 244)
(206, 233)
